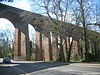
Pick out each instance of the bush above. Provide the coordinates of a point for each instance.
(9, 54)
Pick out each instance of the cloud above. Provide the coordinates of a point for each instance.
(32, 33)
(6, 25)
(22, 4)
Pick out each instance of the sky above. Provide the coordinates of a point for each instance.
(7, 25)
(25, 5)
(98, 2)
(22, 4)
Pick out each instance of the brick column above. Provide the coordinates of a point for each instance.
(16, 44)
(25, 42)
(75, 49)
(39, 51)
(47, 49)
(21, 44)
(55, 51)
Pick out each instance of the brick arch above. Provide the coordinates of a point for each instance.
(21, 19)
(21, 40)
(43, 39)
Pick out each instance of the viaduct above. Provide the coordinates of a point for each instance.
(46, 44)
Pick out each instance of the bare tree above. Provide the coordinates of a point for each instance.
(83, 10)
(86, 15)
(58, 12)
(6, 43)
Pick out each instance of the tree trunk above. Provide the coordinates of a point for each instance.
(62, 57)
(84, 26)
(70, 50)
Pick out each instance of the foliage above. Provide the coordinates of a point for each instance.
(5, 44)
(32, 49)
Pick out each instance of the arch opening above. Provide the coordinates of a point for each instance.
(32, 38)
(6, 38)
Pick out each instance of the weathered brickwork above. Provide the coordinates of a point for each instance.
(39, 51)
(47, 45)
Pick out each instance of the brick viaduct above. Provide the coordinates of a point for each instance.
(46, 45)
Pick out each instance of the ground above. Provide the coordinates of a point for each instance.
(52, 68)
